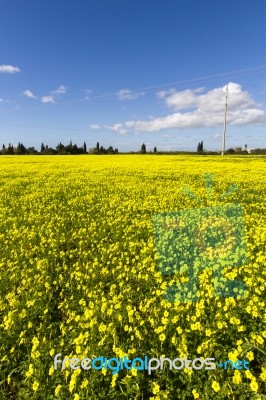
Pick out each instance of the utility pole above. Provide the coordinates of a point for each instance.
(225, 115)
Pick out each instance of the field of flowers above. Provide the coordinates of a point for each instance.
(80, 277)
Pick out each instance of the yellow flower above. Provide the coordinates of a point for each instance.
(162, 337)
(52, 351)
(195, 394)
(57, 390)
(114, 378)
(250, 356)
(189, 372)
(220, 325)
(35, 354)
(164, 320)
(249, 374)
(259, 339)
(254, 386)
(51, 370)
(232, 355)
(237, 377)
(155, 388)
(216, 386)
(126, 379)
(35, 386)
(35, 342)
(241, 328)
(84, 384)
(263, 374)
(30, 371)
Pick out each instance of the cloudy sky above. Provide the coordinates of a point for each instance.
(125, 72)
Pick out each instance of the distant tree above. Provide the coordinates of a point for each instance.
(50, 150)
(65, 149)
(200, 147)
(74, 149)
(101, 150)
(84, 148)
(3, 149)
(68, 149)
(32, 150)
(42, 148)
(18, 149)
(21, 149)
(10, 149)
(230, 151)
(98, 147)
(155, 150)
(93, 150)
(143, 149)
(110, 150)
(60, 149)
(258, 151)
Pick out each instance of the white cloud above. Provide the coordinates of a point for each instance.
(61, 90)
(203, 110)
(53, 95)
(167, 136)
(118, 128)
(1, 100)
(8, 69)
(210, 101)
(47, 99)
(129, 124)
(95, 126)
(178, 100)
(199, 90)
(28, 93)
(88, 93)
(125, 94)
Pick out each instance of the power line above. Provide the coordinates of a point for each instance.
(206, 78)
(162, 86)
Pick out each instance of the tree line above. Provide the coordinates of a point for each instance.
(74, 149)
(59, 149)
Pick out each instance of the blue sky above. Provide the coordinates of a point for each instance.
(124, 72)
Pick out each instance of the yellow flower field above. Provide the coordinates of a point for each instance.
(80, 277)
